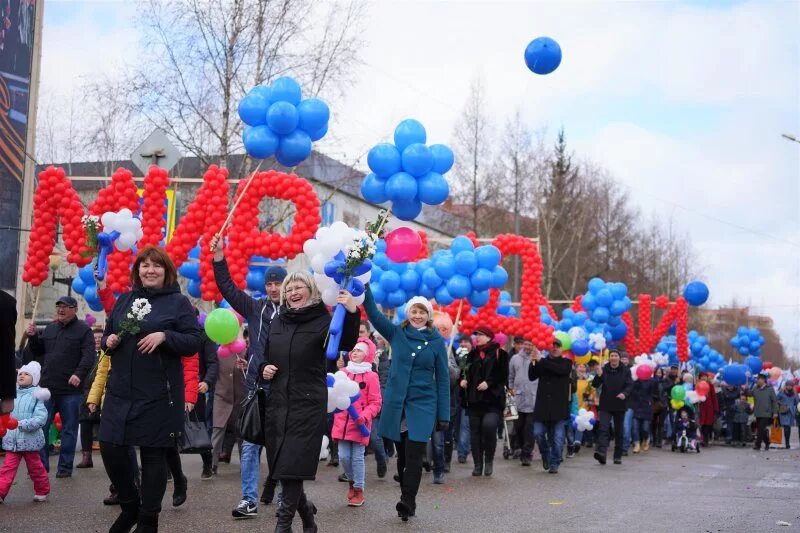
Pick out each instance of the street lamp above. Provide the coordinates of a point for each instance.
(790, 137)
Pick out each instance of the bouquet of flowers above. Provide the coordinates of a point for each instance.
(131, 324)
(91, 224)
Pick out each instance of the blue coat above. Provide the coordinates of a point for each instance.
(32, 414)
(787, 419)
(418, 384)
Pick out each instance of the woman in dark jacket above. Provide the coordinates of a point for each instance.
(296, 416)
(484, 387)
(616, 380)
(643, 394)
(144, 400)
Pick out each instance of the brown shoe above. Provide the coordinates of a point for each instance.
(358, 498)
(87, 460)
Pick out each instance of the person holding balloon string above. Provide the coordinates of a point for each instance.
(295, 365)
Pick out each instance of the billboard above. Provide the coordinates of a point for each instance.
(16, 52)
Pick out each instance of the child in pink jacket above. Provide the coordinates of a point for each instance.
(346, 430)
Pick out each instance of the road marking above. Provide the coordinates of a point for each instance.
(784, 480)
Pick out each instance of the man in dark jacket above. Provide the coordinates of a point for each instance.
(65, 349)
(8, 373)
(616, 381)
(259, 315)
(552, 403)
(765, 408)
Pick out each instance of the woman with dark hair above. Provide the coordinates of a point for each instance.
(295, 364)
(144, 401)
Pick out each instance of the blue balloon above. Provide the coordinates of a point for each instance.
(614, 320)
(444, 265)
(618, 290)
(373, 189)
(580, 318)
(442, 158)
(398, 267)
(193, 288)
(426, 292)
(293, 149)
(86, 274)
(588, 301)
(401, 187)
(499, 277)
(417, 160)
(378, 293)
(479, 298)
(619, 331)
(735, 374)
(319, 134)
(90, 294)
(617, 307)
(600, 314)
(253, 107)
(409, 280)
(384, 160)
(431, 278)
(95, 305)
(255, 280)
(466, 263)
(481, 279)
(78, 285)
(282, 118)
(580, 347)
(433, 188)
(190, 269)
(396, 298)
(744, 350)
(407, 210)
(542, 55)
(488, 256)
(595, 284)
(696, 293)
(442, 296)
(458, 286)
(381, 260)
(260, 142)
(461, 244)
(314, 115)
(409, 132)
(754, 364)
(286, 89)
(390, 281)
(604, 297)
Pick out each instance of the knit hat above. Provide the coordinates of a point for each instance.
(368, 347)
(419, 300)
(486, 330)
(34, 370)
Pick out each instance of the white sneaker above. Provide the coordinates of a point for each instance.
(40, 498)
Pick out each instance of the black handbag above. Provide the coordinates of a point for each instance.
(195, 438)
(251, 417)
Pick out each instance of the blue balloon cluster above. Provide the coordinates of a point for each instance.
(696, 293)
(704, 357)
(85, 285)
(504, 307)
(407, 173)
(754, 364)
(668, 345)
(605, 303)
(280, 123)
(462, 271)
(748, 341)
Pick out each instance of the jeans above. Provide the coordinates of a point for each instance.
(440, 441)
(605, 426)
(249, 463)
(36, 471)
(627, 425)
(523, 434)
(640, 430)
(351, 457)
(463, 433)
(668, 426)
(120, 471)
(69, 406)
(550, 437)
(483, 435)
(409, 467)
(762, 433)
(376, 443)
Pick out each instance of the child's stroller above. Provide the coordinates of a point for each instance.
(510, 414)
(684, 432)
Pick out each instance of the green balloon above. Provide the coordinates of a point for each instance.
(222, 326)
(678, 393)
(566, 340)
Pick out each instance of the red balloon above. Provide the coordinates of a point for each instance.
(702, 388)
(12, 423)
(644, 372)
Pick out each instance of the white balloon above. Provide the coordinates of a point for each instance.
(331, 402)
(340, 376)
(108, 219)
(343, 403)
(359, 300)
(352, 388)
(310, 247)
(329, 296)
(125, 213)
(576, 333)
(318, 263)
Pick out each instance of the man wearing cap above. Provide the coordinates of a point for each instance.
(259, 315)
(517, 345)
(553, 401)
(65, 350)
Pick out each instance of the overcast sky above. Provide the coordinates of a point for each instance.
(683, 102)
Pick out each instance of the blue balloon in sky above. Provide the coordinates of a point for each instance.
(543, 55)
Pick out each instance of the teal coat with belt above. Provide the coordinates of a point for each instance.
(419, 382)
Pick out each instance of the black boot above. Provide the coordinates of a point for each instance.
(148, 523)
(488, 467)
(268, 494)
(448, 455)
(307, 512)
(87, 460)
(406, 507)
(113, 497)
(478, 469)
(127, 518)
(285, 516)
(179, 492)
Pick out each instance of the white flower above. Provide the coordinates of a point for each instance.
(130, 315)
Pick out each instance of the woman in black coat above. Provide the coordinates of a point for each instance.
(616, 380)
(296, 414)
(144, 401)
(484, 388)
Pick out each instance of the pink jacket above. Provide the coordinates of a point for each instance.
(368, 405)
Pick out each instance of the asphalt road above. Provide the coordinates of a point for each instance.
(719, 490)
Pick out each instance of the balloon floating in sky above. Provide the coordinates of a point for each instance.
(543, 55)
(696, 293)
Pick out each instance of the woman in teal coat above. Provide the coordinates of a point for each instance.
(417, 396)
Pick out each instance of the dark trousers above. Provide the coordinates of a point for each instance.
(657, 428)
(87, 437)
(787, 434)
(116, 460)
(762, 433)
(523, 434)
(707, 431)
(605, 421)
(739, 432)
(483, 434)
(409, 466)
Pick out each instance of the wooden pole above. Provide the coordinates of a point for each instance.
(221, 231)
(36, 304)
(455, 323)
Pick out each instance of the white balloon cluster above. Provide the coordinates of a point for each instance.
(340, 389)
(597, 342)
(584, 420)
(128, 226)
(660, 359)
(643, 360)
(693, 397)
(328, 242)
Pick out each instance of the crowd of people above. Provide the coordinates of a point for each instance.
(133, 383)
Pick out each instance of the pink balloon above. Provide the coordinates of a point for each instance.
(224, 352)
(501, 339)
(644, 372)
(237, 346)
(201, 319)
(90, 320)
(239, 317)
(403, 245)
